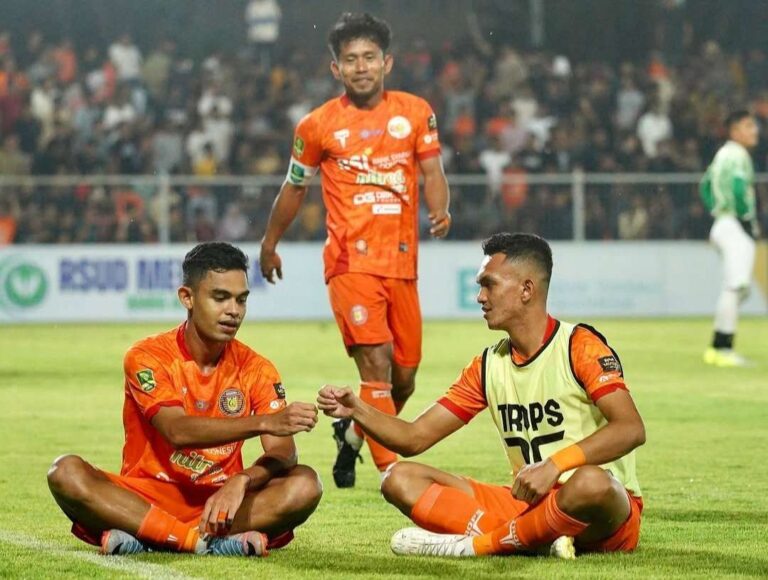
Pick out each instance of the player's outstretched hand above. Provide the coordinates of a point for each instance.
(270, 263)
(295, 418)
(337, 402)
(534, 481)
(221, 507)
(441, 223)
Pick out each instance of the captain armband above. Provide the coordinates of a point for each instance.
(569, 458)
(300, 174)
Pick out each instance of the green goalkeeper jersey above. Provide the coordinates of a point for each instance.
(727, 187)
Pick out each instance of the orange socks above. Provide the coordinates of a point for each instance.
(162, 529)
(379, 396)
(447, 510)
(540, 525)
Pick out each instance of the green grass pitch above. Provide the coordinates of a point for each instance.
(704, 475)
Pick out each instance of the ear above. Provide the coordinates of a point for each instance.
(388, 62)
(186, 297)
(528, 290)
(335, 70)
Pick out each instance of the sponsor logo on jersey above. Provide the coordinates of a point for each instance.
(201, 405)
(231, 402)
(193, 462)
(223, 450)
(361, 247)
(609, 364)
(146, 380)
(368, 197)
(341, 136)
(394, 180)
(387, 209)
(279, 390)
(368, 133)
(298, 146)
(389, 161)
(358, 314)
(276, 404)
(363, 162)
(432, 123)
(399, 127)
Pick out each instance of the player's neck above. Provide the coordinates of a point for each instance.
(527, 334)
(204, 353)
(366, 103)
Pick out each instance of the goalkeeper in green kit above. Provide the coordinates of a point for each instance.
(728, 192)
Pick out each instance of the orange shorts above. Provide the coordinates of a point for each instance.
(374, 310)
(184, 503)
(498, 500)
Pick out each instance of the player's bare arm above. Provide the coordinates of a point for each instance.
(436, 195)
(403, 437)
(623, 433)
(278, 458)
(284, 211)
(182, 430)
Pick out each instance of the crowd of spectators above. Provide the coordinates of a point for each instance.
(70, 108)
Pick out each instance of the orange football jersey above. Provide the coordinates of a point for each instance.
(159, 372)
(368, 160)
(466, 397)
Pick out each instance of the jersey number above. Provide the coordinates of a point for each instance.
(531, 450)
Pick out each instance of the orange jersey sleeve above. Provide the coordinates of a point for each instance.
(425, 126)
(595, 365)
(466, 397)
(148, 383)
(266, 390)
(306, 152)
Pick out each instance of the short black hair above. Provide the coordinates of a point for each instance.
(521, 247)
(736, 116)
(216, 256)
(351, 26)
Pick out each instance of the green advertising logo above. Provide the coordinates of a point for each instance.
(23, 284)
(467, 289)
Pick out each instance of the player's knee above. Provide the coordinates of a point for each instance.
(589, 487)
(743, 292)
(397, 481)
(402, 391)
(305, 488)
(67, 477)
(374, 362)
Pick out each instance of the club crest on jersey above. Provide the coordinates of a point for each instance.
(399, 127)
(298, 146)
(358, 314)
(341, 136)
(231, 402)
(146, 380)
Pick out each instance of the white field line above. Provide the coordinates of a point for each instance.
(114, 563)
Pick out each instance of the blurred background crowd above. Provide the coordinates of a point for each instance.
(142, 99)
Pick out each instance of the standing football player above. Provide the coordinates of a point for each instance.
(728, 192)
(370, 146)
